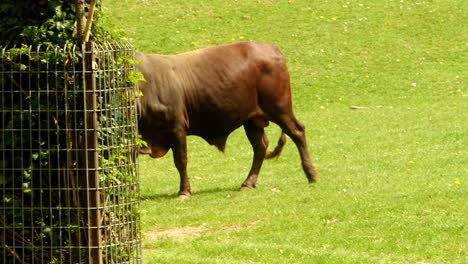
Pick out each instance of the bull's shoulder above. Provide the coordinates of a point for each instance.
(141, 60)
(145, 58)
(138, 56)
(252, 45)
(153, 64)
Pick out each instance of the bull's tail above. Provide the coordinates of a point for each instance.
(279, 147)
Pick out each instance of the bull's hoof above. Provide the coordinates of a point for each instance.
(183, 197)
(246, 188)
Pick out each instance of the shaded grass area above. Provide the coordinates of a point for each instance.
(393, 167)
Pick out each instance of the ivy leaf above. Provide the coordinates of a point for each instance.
(2, 179)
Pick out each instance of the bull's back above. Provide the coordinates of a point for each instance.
(223, 89)
(218, 88)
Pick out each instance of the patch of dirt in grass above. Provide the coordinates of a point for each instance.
(176, 233)
(193, 231)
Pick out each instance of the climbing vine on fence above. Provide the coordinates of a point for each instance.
(43, 22)
(42, 148)
(43, 199)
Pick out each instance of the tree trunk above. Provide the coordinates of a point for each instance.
(80, 21)
(89, 20)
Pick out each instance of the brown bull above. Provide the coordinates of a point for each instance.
(211, 92)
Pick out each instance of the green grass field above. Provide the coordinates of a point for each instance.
(381, 88)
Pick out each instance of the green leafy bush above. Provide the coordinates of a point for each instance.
(43, 177)
(41, 22)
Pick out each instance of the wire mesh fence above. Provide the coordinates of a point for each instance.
(69, 188)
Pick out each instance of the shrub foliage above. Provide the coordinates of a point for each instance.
(43, 174)
(42, 22)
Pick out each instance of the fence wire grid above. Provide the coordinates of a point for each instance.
(69, 187)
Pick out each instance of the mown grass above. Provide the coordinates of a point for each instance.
(393, 172)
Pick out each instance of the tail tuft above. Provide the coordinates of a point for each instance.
(277, 151)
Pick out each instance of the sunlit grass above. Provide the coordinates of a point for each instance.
(380, 86)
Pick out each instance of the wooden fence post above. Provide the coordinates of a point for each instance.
(91, 137)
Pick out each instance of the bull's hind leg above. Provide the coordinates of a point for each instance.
(259, 141)
(296, 131)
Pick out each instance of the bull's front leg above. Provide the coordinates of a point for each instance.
(179, 150)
